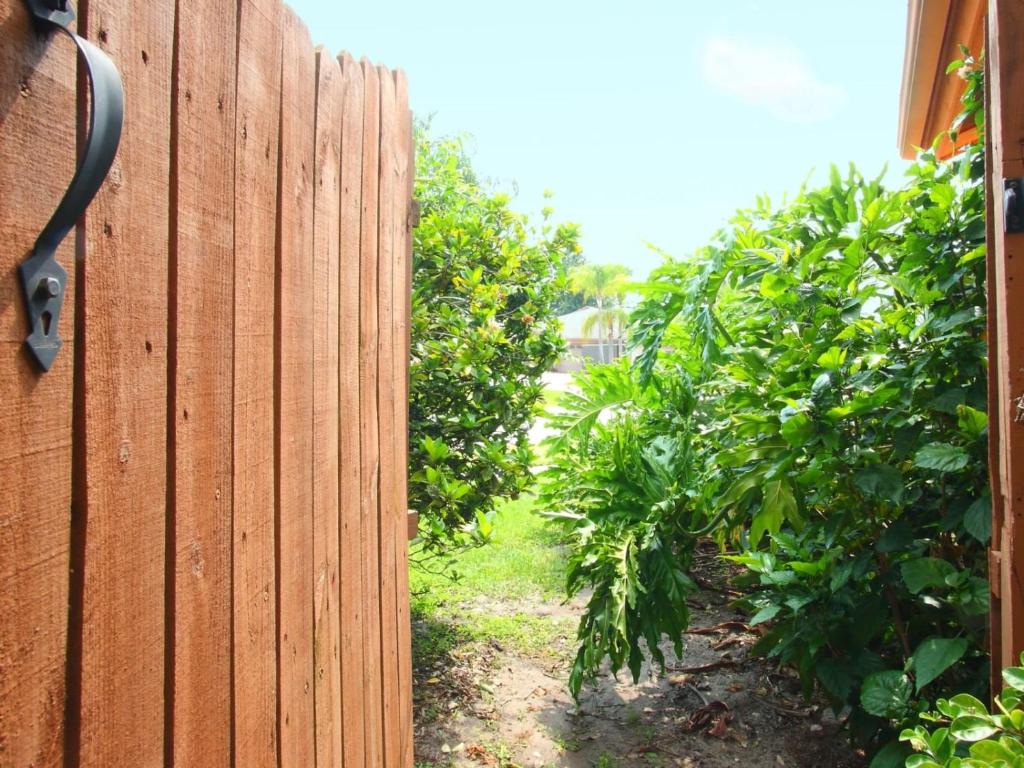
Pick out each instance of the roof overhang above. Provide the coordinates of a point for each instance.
(929, 98)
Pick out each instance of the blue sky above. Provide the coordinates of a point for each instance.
(649, 120)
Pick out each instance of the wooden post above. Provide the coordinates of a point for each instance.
(1005, 55)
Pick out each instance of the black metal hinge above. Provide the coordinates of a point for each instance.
(1013, 206)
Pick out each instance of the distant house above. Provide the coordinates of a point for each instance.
(583, 347)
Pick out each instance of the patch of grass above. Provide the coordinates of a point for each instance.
(497, 585)
(524, 560)
(531, 635)
(434, 637)
(566, 743)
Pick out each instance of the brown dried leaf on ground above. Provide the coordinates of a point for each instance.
(714, 716)
(480, 755)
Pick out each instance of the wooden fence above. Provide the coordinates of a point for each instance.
(203, 557)
(1004, 128)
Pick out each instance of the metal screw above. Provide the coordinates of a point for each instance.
(49, 287)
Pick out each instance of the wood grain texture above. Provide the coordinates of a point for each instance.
(254, 586)
(351, 534)
(1005, 57)
(402, 301)
(121, 493)
(37, 113)
(327, 522)
(387, 393)
(201, 397)
(211, 569)
(369, 441)
(994, 431)
(294, 375)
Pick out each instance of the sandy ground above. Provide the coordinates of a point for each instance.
(713, 708)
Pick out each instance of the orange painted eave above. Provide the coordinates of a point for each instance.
(929, 98)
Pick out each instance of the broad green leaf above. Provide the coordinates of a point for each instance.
(766, 520)
(886, 694)
(892, 755)
(971, 421)
(767, 613)
(880, 481)
(948, 401)
(797, 429)
(835, 677)
(941, 456)
(991, 751)
(940, 744)
(934, 656)
(1014, 677)
(925, 572)
(822, 384)
(968, 705)
(978, 519)
(778, 505)
(773, 285)
(972, 728)
(833, 359)
(942, 195)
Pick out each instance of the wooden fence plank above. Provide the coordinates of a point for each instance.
(200, 416)
(37, 144)
(327, 522)
(368, 418)
(402, 301)
(995, 422)
(123, 367)
(387, 398)
(256, 156)
(351, 535)
(294, 378)
(1005, 126)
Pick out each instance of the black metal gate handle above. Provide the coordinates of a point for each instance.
(43, 280)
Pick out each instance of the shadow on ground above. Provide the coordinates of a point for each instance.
(484, 705)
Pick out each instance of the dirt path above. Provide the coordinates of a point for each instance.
(715, 708)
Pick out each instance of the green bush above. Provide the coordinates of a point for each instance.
(835, 353)
(483, 332)
(618, 486)
(968, 736)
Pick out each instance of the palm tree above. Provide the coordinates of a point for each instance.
(606, 285)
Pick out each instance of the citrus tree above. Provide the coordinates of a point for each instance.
(483, 331)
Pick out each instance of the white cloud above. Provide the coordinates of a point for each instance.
(773, 76)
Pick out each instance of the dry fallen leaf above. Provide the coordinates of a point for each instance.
(480, 754)
(714, 716)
